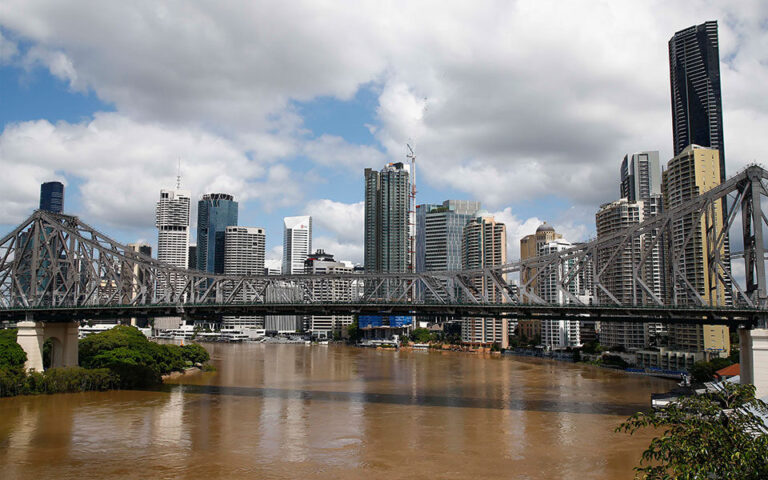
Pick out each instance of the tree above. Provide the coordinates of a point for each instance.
(717, 435)
(127, 352)
(420, 335)
(705, 371)
(11, 354)
(354, 334)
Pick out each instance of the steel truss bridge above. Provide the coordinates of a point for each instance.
(57, 268)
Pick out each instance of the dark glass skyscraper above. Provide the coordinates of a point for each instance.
(386, 218)
(52, 197)
(694, 72)
(215, 212)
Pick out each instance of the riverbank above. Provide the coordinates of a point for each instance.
(119, 358)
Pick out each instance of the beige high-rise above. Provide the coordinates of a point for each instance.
(692, 172)
(485, 245)
(530, 246)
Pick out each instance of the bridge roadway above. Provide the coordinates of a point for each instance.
(745, 317)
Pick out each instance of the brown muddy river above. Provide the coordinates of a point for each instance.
(294, 411)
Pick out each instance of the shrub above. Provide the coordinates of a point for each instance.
(194, 353)
(11, 354)
(14, 381)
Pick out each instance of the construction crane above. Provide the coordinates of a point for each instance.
(411, 156)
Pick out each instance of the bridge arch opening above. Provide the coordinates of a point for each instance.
(53, 352)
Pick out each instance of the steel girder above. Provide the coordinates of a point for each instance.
(58, 261)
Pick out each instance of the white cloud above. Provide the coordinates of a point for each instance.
(344, 220)
(274, 258)
(122, 165)
(509, 102)
(341, 251)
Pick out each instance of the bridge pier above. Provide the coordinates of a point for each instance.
(754, 359)
(32, 335)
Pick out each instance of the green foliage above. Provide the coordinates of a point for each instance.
(705, 371)
(11, 354)
(495, 347)
(592, 347)
(613, 361)
(707, 436)
(137, 361)
(15, 381)
(354, 334)
(194, 353)
(420, 335)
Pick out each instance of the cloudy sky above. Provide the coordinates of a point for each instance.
(528, 106)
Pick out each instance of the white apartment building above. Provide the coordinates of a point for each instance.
(297, 243)
(172, 222)
(558, 334)
(243, 255)
(324, 326)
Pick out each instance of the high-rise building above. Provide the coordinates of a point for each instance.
(694, 171)
(444, 232)
(215, 212)
(387, 199)
(440, 234)
(172, 221)
(529, 248)
(485, 245)
(52, 197)
(640, 176)
(558, 334)
(694, 73)
(297, 243)
(244, 249)
(641, 199)
(325, 326)
(618, 270)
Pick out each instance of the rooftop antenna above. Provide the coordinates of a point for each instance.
(178, 175)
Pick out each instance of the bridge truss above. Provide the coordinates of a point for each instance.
(56, 266)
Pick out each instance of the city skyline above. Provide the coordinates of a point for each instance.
(365, 125)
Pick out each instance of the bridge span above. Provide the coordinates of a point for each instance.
(56, 270)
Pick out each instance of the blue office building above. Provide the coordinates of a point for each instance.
(52, 197)
(215, 212)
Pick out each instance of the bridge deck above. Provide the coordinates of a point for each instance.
(701, 315)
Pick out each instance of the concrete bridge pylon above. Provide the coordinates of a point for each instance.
(64, 336)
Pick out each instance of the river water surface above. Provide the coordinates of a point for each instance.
(294, 411)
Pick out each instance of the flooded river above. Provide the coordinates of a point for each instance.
(294, 411)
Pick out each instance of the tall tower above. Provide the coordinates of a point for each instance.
(442, 232)
(387, 198)
(618, 273)
(244, 249)
(694, 171)
(694, 73)
(558, 334)
(215, 212)
(529, 248)
(52, 197)
(172, 221)
(297, 243)
(485, 245)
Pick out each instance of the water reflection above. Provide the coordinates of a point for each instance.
(284, 411)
